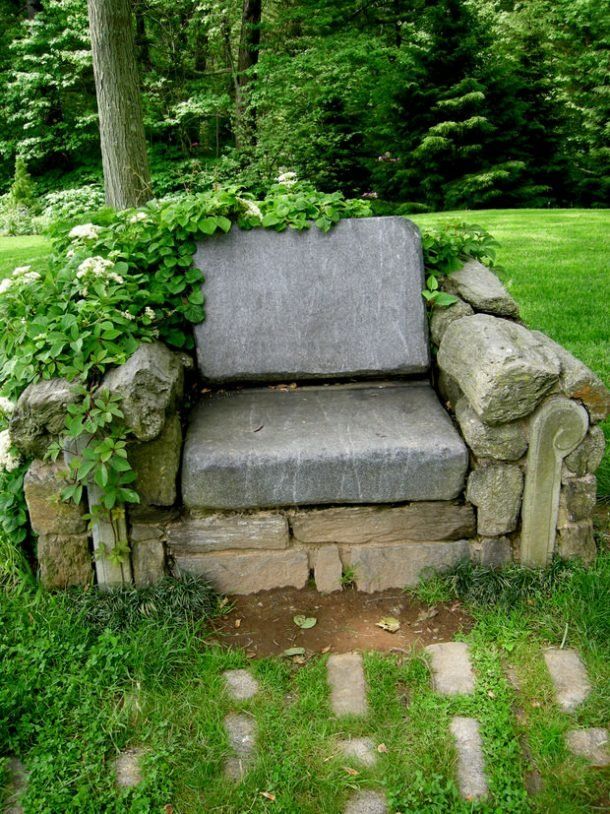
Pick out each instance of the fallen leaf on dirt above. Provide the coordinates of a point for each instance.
(168, 809)
(382, 748)
(237, 623)
(429, 613)
(350, 771)
(250, 654)
(389, 623)
(326, 649)
(268, 795)
(304, 622)
(293, 651)
(299, 660)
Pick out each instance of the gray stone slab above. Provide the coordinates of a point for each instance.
(451, 668)
(360, 750)
(366, 802)
(321, 445)
(569, 677)
(347, 685)
(241, 685)
(471, 767)
(241, 732)
(591, 744)
(312, 305)
(222, 531)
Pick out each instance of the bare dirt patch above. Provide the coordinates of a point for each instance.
(263, 624)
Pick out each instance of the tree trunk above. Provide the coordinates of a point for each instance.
(126, 172)
(247, 58)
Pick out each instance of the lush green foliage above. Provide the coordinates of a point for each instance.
(445, 104)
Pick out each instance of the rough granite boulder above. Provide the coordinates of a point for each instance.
(577, 381)
(442, 317)
(502, 368)
(480, 287)
(576, 540)
(496, 491)
(40, 415)
(149, 385)
(504, 442)
(64, 560)
(577, 499)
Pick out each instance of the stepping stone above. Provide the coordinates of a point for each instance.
(241, 730)
(362, 750)
(240, 684)
(127, 768)
(592, 744)
(18, 779)
(471, 767)
(451, 668)
(367, 802)
(347, 686)
(569, 676)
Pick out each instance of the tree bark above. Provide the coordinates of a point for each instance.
(249, 43)
(124, 158)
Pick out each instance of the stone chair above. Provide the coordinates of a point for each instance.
(319, 444)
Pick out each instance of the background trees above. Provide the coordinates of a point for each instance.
(439, 103)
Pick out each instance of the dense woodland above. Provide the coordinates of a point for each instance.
(436, 104)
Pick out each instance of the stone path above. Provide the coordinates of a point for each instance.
(451, 668)
(367, 802)
(361, 750)
(591, 744)
(569, 677)
(240, 684)
(347, 685)
(471, 766)
(240, 728)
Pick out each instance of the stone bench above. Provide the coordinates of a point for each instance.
(327, 440)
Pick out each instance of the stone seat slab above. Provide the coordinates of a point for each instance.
(363, 443)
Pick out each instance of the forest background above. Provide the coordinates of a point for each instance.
(433, 104)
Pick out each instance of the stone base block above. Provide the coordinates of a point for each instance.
(354, 525)
(327, 568)
(576, 540)
(492, 552)
(64, 560)
(147, 561)
(156, 465)
(246, 572)
(49, 514)
(230, 530)
(378, 566)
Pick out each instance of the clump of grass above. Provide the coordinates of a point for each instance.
(173, 601)
(484, 586)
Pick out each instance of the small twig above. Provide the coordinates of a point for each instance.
(565, 636)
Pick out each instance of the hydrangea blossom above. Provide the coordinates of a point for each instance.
(86, 231)
(100, 268)
(20, 271)
(5, 285)
(251, 208)
(139, 216)
(148, 312)
(288, 179)
(8, 460)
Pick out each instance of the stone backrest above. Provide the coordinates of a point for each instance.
(308, 305)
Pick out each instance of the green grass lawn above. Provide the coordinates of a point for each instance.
(26, 250)
(556, 264)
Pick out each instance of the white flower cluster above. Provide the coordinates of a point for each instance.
(127, 315)
(22, 274)
(139, 216)
(288, 179)
(8, 460)
(251, 208)
(86, 231)
(6, 406)
(98, 268)
(148, 312)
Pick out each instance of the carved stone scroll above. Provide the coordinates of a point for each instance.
(556, 428)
